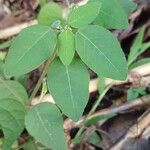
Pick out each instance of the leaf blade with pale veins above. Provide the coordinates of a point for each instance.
(111, 15)
(12, 113)
(13, 89)
(30, 49)
(46, 126)
(128, 6)
(69, 87)
(101, 51)
(84, 15)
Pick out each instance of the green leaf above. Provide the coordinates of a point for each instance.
(144, 47)
(138, 41)
(140, 63)
(94, 138)
(44, 122)
(30, 49)
(84, 15)
(13, 97)
(29, 145)
(23, 79)
(69, 86)
(66, 45)
(112, 15)
(14, 90)
(77, 140)
(50, 13)
(101, 51)
(42, 3)
(5, 44)
(3, 55)
(93, 120)
(133, 93)
(136, 45)
(128, 5)
(12, 114)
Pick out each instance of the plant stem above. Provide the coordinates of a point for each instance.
(92, 110)
(99, 100)
(6, 44)
(49, 61)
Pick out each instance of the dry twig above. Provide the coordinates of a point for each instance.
(11, 31)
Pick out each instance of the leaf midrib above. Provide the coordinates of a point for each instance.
(45, 128)
(70, 91)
